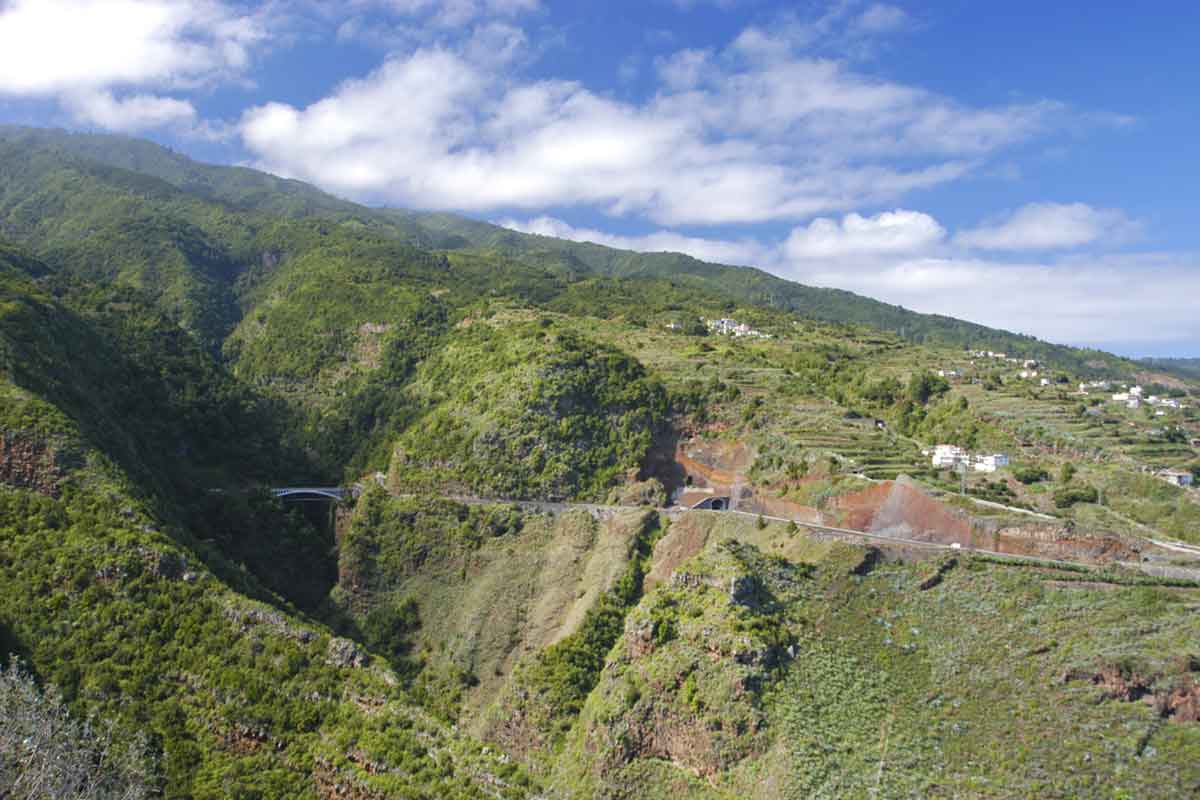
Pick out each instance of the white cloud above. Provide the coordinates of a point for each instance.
(730, 138)
(684, 69)
(719, 251)
(455, 13)
(889, 232)
(881, 18)
(1137, 298)
(903, 257)
(79, 51)
(1050, 226)
(131, 113)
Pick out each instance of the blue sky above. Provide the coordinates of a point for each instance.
(1028, 165)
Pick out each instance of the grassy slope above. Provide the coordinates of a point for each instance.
(954, 690)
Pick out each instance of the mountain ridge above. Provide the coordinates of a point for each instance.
(241, 188)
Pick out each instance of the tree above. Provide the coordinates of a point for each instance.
(46, 753)
(1070, 495)
(1030, 475)
(388, 628)
(925, 386)
(1067, 472)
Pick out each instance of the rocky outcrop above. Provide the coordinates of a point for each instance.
(1176, 698)
(28, 462)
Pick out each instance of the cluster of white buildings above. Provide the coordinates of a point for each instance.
(1028, 363)
(731, 327)
(1136, 396)
(951, 456)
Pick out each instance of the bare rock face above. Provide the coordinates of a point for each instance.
(1181, 704)
(345, 653)
(30, 463)
(743, 590)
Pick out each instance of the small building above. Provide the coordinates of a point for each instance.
(1177, 477)
(948, 455)
(990, 462)
(1133, 402)
(1045, 381)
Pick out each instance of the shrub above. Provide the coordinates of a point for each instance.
(45, 753)
(388, 629)
(1031, 475)
(1070, 495)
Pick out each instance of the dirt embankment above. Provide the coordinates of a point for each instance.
(1175, 697)
(899, 508)
(719, 465)
(902, 509)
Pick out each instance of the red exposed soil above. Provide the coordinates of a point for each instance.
(900, 508)
(720, 464)
(1181, 703)
(1050, 541)
(772, 506)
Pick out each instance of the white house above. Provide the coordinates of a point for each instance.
(1045, 381)
(948, 455)
(990, 462)
(1121, 397)
(1134, 402)
(1176, 477)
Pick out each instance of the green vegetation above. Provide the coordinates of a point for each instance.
(525, 410)
(48, 755)
(177, 339)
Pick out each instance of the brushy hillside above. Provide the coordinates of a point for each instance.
(135, 602)
(519, 409)
(822, 675)
(1187, 368)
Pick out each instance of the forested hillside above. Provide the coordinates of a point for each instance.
(521, 593)
(253, 191)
